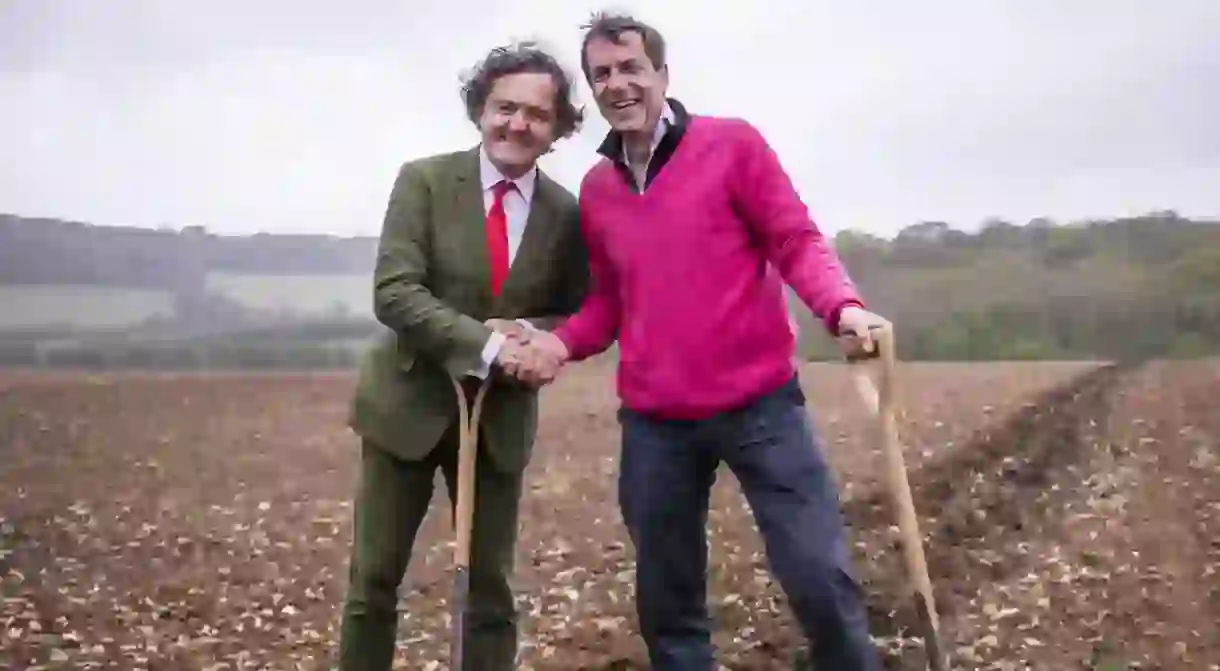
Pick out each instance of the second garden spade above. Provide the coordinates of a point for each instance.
(880, 399)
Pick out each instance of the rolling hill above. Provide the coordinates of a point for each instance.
(1129, 288)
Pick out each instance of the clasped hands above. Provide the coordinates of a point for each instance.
(531, 356)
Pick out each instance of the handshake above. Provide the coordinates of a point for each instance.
(530, 356)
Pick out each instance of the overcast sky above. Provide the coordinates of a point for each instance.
(294, 117)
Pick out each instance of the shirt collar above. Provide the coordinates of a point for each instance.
(658, 132)
(674, 118)
(489, 175)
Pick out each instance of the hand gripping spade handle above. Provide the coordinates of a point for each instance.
(468, 446)
(880, 400)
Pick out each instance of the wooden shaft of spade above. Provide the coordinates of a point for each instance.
(468, 447)
(880, 399)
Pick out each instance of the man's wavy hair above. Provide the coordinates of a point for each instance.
(515, 59)
(610, 26)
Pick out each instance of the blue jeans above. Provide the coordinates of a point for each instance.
(665, 478)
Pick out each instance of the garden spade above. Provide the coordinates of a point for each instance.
(468, 446)
(880, 399)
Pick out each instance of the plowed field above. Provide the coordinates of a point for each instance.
(1071, 511)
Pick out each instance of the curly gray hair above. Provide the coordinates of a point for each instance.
(515, 59)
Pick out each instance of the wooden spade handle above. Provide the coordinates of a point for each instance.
(468, 447)
(880, 400)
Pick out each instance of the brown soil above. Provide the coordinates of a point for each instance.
(202, 522)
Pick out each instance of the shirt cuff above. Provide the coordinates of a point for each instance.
(490, 351)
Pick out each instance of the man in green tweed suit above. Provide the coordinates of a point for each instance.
(478, 247)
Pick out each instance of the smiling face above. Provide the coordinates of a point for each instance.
(518, 121)
(630, 91)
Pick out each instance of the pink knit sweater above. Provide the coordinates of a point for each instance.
(689, 275)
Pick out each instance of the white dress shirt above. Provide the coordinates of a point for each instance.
(658, 133)
(516, 210)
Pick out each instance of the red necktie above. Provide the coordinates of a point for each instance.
(497, 237)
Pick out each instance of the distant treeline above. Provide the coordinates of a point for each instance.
(1133, 288)
(52, 251)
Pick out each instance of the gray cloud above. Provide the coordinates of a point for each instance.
(282, 117)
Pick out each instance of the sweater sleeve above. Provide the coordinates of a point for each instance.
(595, 325)
(779, 220)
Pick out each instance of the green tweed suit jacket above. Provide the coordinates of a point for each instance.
(432, 290)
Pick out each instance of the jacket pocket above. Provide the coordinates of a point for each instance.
(405, 353)
(391, 351)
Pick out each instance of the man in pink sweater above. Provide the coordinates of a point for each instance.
(693, 228)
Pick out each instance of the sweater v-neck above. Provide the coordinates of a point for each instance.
(671, 165)
(675, 119)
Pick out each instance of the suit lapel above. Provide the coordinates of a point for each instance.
(471, 220)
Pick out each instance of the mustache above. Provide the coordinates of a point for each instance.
(508, 134)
